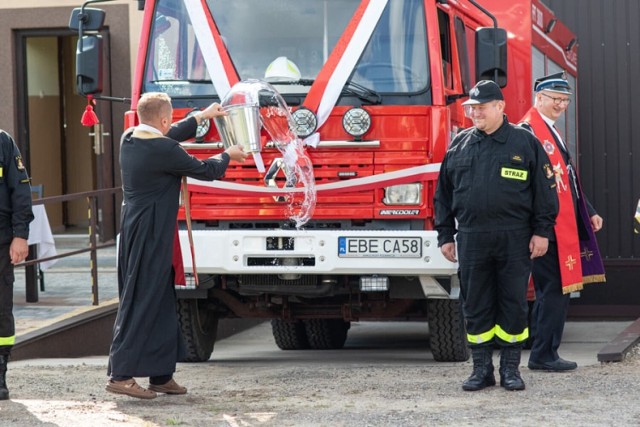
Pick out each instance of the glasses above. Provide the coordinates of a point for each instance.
(557, 101)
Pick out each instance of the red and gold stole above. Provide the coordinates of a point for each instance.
(566, 228)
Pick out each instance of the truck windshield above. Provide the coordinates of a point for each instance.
(268, 38)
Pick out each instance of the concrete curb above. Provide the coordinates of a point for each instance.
(616, 350)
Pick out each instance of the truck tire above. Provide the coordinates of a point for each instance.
(199, 328)
(289, 335)
(326, 334)
(447, 334)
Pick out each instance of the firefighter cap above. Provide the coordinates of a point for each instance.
(484, 91)
(556, 82)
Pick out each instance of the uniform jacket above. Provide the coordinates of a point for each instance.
(501, 181)
(15, 192)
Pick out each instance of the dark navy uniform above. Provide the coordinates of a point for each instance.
(551, 306)
(500, 190)
(15, 216)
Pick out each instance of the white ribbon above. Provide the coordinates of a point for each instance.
(339, 77)
(210, 53)
(355, 184)
(351, 55)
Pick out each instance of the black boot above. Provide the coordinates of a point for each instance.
(482, 375)
(509, 373)
(4, 391)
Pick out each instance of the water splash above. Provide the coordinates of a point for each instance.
(277, 121)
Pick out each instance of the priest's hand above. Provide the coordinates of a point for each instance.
(213, 110)
(596, 222)
(236, 153)
(538, 246)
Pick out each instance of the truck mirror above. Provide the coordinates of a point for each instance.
(491, 55)
(89, 64)
(90, 19)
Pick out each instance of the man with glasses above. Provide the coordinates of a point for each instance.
(573, 257)
(496, 191)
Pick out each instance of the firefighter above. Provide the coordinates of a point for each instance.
(15, 216)
(496, 194)
(553, 277)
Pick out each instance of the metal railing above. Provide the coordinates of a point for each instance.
(31, 264)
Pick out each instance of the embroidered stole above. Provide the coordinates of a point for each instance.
(566, 228)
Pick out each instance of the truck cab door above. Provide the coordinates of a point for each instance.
(455, 64)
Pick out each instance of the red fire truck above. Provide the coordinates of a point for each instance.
(380, 83)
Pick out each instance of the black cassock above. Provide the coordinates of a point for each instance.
(146, 336)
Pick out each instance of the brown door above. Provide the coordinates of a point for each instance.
(59, 152)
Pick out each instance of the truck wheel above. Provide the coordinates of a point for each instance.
(326, 334)
(447, 334)
(289, 335)
(199, 328)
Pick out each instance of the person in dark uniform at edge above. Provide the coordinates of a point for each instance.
(15, 216)
(146, 340)
(496, 182)
(553, 277)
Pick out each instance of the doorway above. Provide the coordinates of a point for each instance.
(62, 155)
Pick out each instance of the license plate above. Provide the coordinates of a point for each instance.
(379, 247)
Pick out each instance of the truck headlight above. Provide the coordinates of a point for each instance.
(405, 194)
(356, 122)
(305, 122)
(203, 127)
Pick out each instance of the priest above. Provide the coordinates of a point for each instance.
(146, 338)
(572, 258)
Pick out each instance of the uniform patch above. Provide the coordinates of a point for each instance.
(1, 172)
(517, 174)
(548, 172)
(19, 163)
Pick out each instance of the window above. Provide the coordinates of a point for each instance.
(463, 54)
(445, 47)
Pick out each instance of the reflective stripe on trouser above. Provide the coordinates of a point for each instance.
(500, 333)
(4, 341)
(494, 275)
(512, 338)
(7, 326)
(483, 337)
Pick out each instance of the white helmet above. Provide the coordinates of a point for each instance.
(282, 68)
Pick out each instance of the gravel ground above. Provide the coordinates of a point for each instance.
(297, 394)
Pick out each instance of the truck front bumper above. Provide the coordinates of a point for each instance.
(328, 252)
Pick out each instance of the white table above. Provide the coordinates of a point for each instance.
(40, 234)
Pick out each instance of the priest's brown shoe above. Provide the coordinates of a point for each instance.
(170, 387)
(130, 388)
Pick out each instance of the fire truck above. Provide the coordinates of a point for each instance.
(379, 84)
